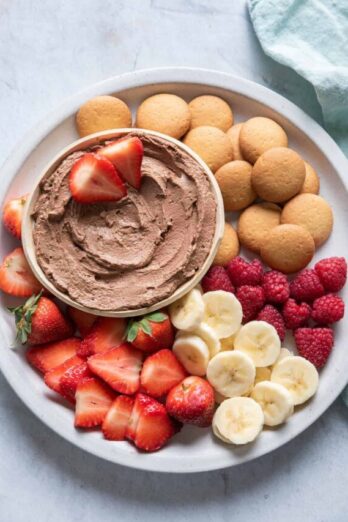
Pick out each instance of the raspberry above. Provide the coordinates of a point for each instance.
(332, 273)
(276, 287)
(243, 273)
(314, 344)
(296, 315)
(328, 309)
(273, 317)
(252, 299)
(306, 286)
(217, 279)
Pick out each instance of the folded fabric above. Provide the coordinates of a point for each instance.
(311, 37)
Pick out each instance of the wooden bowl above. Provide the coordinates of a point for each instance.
(94, 139)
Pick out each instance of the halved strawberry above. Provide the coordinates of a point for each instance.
(126, 154)
(48, 356)
(16, 277)
(83, 320)
(71, 378)
(119, 367)
(116, 421)
(161, 372)
(12, 215)
(94, 179)
(52, 377)
(93, 400)
(106, 333)
(150, 427)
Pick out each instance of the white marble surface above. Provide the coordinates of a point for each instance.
(48, 50)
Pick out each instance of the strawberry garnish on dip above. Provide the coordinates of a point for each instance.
(16, 277)
(12, 215)
(94, 179)
(151, 332)
(127, 155)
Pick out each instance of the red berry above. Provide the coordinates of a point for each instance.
(314, 344)
(217, 279)
(332, 273)
(272, 316)
(192, 402)
(243, 273)
(306, 286)
(296, 315)
(328, 309)
(252, 299)
(276, 287)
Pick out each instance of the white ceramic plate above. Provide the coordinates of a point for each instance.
(193, 449)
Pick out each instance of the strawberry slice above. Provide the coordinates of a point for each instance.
(94, 179)
(119, 367)
(71, 378)
(12, 215)
(83, 320)
(16, 277)
(150, 427)
(126, 154)
(52, 377)
(48, 356)
(116, 421)
(93, 400)
(161, 372)
(106, 333)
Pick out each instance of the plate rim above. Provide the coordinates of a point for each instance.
(146, 77)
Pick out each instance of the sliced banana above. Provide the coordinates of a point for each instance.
(284, 352)
(262, 374)
(299, 376)
(231, 373)
(228, 342)
(205, 332)
(187, 313)
(193, 353)
(260, 341)
(223, 312)
(238, 420)
(275, 401)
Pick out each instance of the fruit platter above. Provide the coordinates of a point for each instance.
(173, 271)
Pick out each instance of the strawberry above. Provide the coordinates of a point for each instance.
(83, 320)
(52, 377)
(106, 333)
(192, 402)
(150, 427)
(40, 321)
(151, 333)
(115, 423)
(48, 356)
(12, 215)
(126, 154)
(71, 378)
(161, 372)
(16, 277)
(119, 367)
(93, 400)
(94, 179)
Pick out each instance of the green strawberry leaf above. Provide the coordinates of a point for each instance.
(156, 317)
(132, 331)
(146, 326)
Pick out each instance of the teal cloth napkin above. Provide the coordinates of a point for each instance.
(311, 37)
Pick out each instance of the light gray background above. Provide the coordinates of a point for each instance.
(49, 49)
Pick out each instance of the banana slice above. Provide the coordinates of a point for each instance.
(205, 332)
(262, 374)
(192, 352)
(223, 312)
(275, 401)
(299, 376)
(260, 341)
(187, 313)
(284, 352)
(231, 373)
(238, 420)
(228, 342)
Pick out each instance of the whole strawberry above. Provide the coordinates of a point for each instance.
(276, 287)
(150, 333)
(40, 321)
(252, 299)
(243, 273)
(332, 273)
(306, 286)
(314, 344)
(192, 402)
(217, 279)
(296, 315)
(272, 316)
(328, 309)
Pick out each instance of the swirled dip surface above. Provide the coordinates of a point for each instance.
(137, 251)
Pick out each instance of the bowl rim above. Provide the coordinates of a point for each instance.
(90, 140)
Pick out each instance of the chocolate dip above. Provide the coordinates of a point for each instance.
(137, 251)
